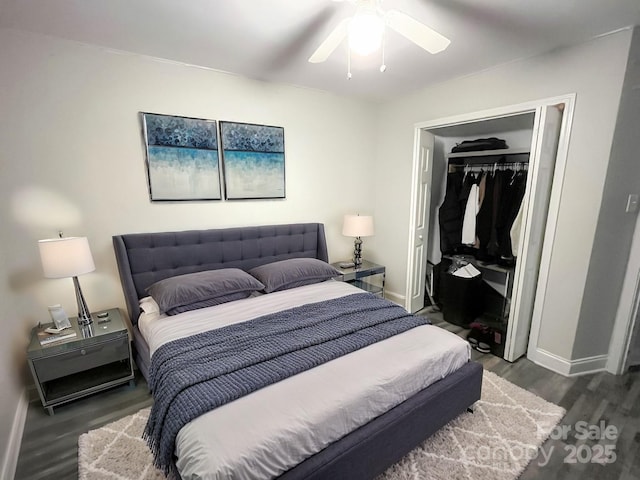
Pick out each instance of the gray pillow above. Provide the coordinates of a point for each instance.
(294, 272)
(208, 303)
(195, 288)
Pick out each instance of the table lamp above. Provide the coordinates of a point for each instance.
(68, 257)
(357, 226)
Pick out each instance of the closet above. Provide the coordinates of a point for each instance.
(479, 223)
(514, 189)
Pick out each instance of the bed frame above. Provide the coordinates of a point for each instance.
(145, 258)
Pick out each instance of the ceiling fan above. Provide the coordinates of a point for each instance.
(366, 28)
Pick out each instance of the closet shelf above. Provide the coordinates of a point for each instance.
(482, 264)
(490, 153)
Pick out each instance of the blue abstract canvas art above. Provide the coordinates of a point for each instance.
(182, 158)
(253, 160)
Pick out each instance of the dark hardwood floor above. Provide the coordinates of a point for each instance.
(49, 447)
(50, 443)
(594, 398)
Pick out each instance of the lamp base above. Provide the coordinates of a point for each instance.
(86, 330)
(357, 252)
(84, 316)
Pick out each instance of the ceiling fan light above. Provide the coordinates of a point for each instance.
(365, 33)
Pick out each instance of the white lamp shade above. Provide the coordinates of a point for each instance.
(66, 257)
(357, 226)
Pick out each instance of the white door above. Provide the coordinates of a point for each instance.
(535, 209)
(421, 191)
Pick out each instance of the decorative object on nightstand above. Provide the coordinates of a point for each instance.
(68, 257)
(368, 276)
(59, 317)
(357, 226)
(70, 365)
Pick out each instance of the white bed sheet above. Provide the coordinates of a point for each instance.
(273, 429)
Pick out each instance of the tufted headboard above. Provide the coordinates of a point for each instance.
(145, 258)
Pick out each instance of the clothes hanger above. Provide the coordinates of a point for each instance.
(515, 174)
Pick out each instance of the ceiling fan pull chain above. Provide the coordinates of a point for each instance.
(348, 63)
(383, 67)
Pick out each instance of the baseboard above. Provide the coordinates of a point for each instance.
(582, 366)
(550, 361)
(394, 297)
(10, 461)
(568, 368)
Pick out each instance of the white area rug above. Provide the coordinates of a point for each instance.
(496, 442)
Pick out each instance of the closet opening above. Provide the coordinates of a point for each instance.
(479, 177)
(482, 190)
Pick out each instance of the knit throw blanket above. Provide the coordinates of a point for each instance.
(193, 375)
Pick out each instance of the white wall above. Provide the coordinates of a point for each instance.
(628, 165)
(615, 227)
(11, 378)
(72, 158)
(594, 71)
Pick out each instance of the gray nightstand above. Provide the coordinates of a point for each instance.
(95, 359)
(369, 276)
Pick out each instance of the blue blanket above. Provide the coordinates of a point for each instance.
(193, 375)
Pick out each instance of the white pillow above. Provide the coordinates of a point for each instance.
(149, 305)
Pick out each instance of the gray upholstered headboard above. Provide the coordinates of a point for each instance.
(145, 258)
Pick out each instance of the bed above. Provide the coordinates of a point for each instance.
(362, 450)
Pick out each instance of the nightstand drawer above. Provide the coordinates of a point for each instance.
(57, 366)
(368, 276)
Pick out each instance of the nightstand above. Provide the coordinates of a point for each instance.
(95, 359)
(369, 276)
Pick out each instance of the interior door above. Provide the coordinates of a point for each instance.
(420, 222)
(535, 209)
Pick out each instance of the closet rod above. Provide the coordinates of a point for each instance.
(501, 165)
(490, 167)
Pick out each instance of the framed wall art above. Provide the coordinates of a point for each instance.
(182, 158)
(253, 160)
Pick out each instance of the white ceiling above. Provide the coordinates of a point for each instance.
(271, 39)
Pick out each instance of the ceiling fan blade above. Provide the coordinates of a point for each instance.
(417, 32)
(327, 47)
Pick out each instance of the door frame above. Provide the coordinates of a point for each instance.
(628, 310)
(540, 357)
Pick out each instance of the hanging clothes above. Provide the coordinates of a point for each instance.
(478, 213)
(469, 220)
(482, 186)
(450, 214)
(484, 219)
(515, 231)
(512, 194)
(467, 181)
(498, 182)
